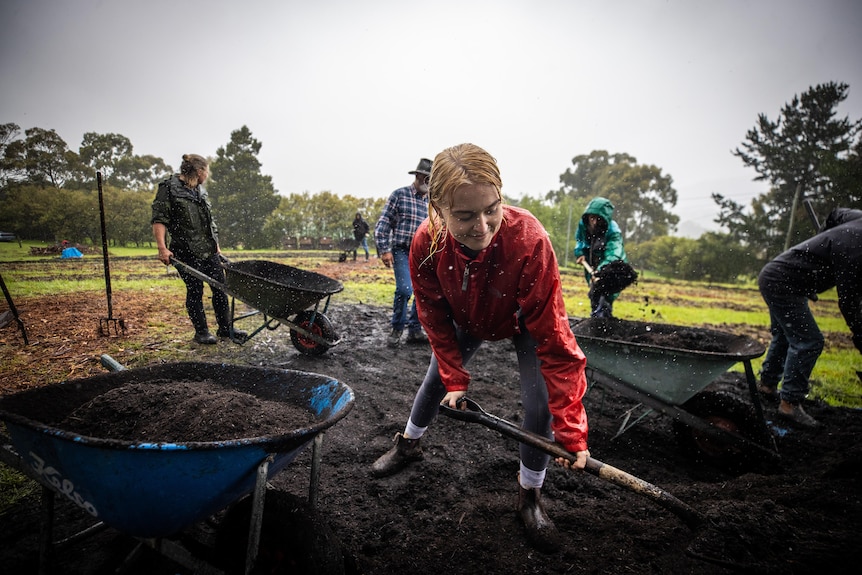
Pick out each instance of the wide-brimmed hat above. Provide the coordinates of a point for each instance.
(423, 168)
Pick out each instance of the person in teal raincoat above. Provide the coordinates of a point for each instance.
(598, 242)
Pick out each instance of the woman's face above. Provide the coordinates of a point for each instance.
(474, 216)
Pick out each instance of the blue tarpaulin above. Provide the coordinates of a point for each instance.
(71, 253)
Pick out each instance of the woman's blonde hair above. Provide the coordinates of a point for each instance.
(454, 167)
(191, 164)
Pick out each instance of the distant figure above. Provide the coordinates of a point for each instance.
(360, 234)
(832, 258)
(486, 272)
(182, 208)
(404, 211)
(598, 242)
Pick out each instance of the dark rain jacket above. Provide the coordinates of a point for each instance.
(360, 229)
(604, 247)
(832, 258)
(516, 276)
(187, 214)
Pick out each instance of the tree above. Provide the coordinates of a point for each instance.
(560, 220)
(41, 158)
(802, 154)
(10, 166)
(242, 197)
(112, 155)
(712, 257)
(641, 194)
(103, 152)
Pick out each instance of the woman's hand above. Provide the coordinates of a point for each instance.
(451, 400)
(579, 463)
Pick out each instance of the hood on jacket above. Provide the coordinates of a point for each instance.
(840, 216)
(601, 207)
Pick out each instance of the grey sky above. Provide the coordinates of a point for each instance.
(347, 96)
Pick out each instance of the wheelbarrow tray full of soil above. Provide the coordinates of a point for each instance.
(669, 362)
(154, 488)
(667, 368)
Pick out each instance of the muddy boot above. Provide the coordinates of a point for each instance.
(541, 531)
(403, 452)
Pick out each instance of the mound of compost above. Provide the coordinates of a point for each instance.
(182, 411)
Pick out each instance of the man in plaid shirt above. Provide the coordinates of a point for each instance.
(405, 209)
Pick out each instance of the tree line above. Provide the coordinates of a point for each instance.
(48, 193)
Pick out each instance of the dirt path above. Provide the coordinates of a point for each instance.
(454, 511)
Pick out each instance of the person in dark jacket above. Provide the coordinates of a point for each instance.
(483, 271)
(182, 208)
(598, 242)
(832, 258)
(360, 234)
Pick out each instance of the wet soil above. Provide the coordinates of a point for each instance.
(455, 510)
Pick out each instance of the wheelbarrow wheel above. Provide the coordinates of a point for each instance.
(321, 327)
(726, 411)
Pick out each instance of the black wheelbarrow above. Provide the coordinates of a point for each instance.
(278, 293)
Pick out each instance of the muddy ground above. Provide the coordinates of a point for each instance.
(454, 512)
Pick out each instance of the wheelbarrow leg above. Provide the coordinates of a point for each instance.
(46, 531)
(257, 502)
(758, 405)
(316, 455)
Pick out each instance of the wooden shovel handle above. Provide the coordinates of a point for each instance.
(475, 414)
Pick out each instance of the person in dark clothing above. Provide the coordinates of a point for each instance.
(182, 208)
(832, 258)
(360, 234)
(598, 242)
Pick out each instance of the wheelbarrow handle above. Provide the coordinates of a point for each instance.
(198, 274)
(475, 414)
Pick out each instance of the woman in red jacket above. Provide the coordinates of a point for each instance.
(484, 271)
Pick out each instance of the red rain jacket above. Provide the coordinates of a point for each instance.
(518, 271)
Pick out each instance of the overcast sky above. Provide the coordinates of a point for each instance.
(346, 96)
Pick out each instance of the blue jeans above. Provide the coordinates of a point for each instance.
(403, 292)
(362, 243)
(796, 344)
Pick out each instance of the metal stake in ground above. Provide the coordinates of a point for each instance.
(12, 310)
(107, 325)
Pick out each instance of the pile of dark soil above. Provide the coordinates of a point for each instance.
(182, 411)
(454, 511)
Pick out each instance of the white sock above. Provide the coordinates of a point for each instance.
(413, 431)
(532, 479)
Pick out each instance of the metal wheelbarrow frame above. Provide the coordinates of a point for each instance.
(278, 292)
(665, 379)
(152, 490)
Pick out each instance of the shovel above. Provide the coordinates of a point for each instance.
(475, 414)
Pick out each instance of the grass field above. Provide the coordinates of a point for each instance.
(734, 308)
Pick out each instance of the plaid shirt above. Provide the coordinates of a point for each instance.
(404, 211)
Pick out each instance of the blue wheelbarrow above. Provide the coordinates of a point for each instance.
(156, 489)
